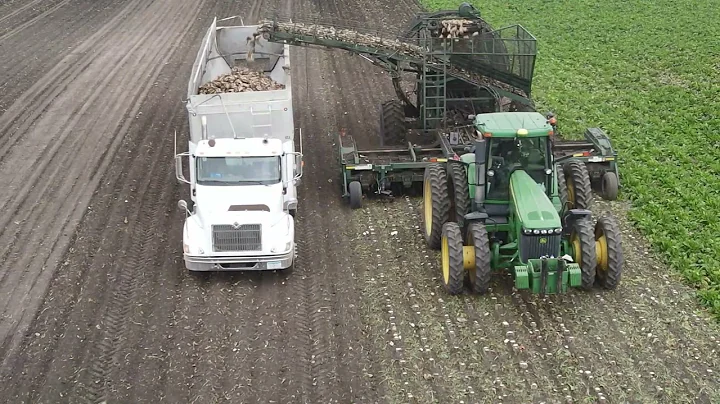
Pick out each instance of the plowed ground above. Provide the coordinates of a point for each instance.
(96, 304)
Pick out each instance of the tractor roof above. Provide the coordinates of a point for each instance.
(507, 124)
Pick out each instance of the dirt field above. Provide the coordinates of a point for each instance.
(97, 305)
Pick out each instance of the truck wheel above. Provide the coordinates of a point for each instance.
(582, 241)
(436, 203)
(458, 188)
(609, 252)
(393, 129)
(577, 181)
(355, 190)
(451, 252)
(610, 186)
(477, 236)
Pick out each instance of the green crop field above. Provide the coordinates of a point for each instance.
(647, 73)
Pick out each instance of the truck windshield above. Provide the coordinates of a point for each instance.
(238, 170)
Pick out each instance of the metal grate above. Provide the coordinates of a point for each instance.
(246, 237)
(532, 246)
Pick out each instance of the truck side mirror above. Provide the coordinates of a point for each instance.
(178, 167)
(183, 206)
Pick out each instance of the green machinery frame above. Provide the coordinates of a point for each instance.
(488, 71)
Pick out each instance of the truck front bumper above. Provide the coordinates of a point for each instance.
(253, 263)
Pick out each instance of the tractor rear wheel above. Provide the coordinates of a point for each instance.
(393, 129)
(609, 252)
(609, 186)
(459, 191)
(582, 241)
(451, 252)
(578, 185)
(436, 203)
(477, 237)
(562, 187)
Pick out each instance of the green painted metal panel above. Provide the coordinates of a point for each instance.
(506, 124)
(532, 206)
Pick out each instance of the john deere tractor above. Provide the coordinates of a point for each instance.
(507, 205)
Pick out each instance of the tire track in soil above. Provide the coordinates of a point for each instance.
(120, 138)
(94, 382)
(32, 21)
(34, 55)
(29, 282)
(37, 99)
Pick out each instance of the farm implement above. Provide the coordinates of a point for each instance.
(501, 190)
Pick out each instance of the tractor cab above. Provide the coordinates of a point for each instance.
(515, 141)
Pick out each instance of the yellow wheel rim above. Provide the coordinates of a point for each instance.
(570, 192)
(602, 253)
(445, 254)
(427, 206)
(577, 253)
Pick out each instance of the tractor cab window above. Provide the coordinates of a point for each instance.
(506, 154)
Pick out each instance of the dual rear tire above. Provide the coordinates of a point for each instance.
(598, 251)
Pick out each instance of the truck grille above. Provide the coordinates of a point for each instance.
(536, 246)
(247, 237)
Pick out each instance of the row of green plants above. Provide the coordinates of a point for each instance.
(645, 72)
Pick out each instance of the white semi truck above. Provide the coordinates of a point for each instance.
(241, 159)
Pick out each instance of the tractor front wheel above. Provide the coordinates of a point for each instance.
(582, 241)
(577, 180)
(436, 203)
(609, 252)
(477, 237)
(451, 251)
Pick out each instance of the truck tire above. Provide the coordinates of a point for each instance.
(582, 239)
(578, 185)
(436, 203)
(451, 252)
(609, 186)
(392, 123)
(477, 236)
(458, 186)
(355, 190)
(609, 252)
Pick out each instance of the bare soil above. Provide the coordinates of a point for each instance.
(96, 303)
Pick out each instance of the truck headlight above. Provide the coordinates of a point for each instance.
(281, 247)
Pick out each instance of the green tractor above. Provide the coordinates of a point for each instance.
(508, 205)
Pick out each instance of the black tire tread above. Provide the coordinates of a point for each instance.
(440, 203)
(393, 128)
(478, 237)
(451, 230)
(460, 193)
(585, 230)
(609, 186)
(577, 172)
(355, 190)
(608, 226)
(562, 187)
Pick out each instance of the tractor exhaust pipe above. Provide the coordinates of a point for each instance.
(480, 146)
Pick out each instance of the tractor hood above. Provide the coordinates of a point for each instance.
(533, 208)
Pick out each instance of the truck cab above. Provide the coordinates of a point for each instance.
(241, 218)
